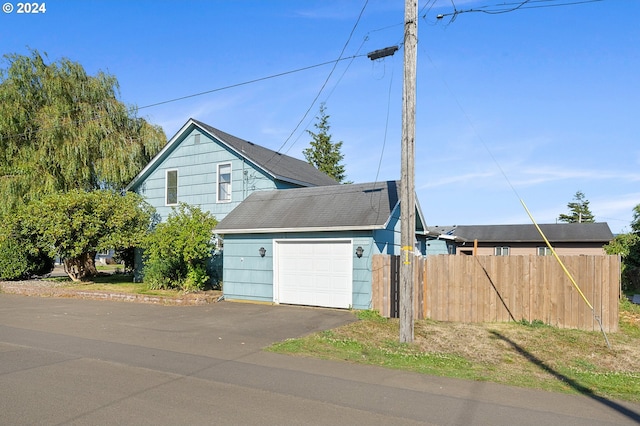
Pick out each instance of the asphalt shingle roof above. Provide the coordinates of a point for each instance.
(282, 167)
(353, 206)
(555, 232)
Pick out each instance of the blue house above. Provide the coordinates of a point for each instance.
(216, 171)
(312, 246)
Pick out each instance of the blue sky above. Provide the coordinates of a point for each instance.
(533, 104)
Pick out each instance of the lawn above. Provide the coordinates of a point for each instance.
(530, 355)
(110, 281)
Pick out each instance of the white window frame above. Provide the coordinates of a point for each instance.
(218, 183)
(501, 251)
(544, 251)
(166, 187)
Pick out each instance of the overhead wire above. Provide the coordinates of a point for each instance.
(328, 77)
(384, 143)
(521, 200)
(522, 5)
(364, 40)
(193, 95)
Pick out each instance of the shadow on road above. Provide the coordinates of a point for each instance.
(571, 382)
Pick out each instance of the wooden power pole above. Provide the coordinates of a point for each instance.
(407, 184)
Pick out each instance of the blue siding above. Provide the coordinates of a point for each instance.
(247, 276)
(197, 176)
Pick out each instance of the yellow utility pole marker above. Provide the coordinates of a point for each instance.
(406, 250)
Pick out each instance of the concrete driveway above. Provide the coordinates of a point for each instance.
(83, 362)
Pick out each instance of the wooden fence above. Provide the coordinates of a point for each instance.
(505, 288)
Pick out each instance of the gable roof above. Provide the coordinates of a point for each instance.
(555, 232)
(279, 166)
(364, 206)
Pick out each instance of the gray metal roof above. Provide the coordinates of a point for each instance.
(555, 232)
(280, 166)
(337, 207)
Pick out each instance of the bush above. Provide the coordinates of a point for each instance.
(18, 262)
(177, 251)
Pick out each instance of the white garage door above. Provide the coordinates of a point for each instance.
(313, 272)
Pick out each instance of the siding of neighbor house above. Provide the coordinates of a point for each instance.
(524, 239)
(247, 276)
(523, 249)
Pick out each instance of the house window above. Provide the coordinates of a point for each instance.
(544, 251)
(502, 251)
(196, 138)
(171, 190)
(224, 183)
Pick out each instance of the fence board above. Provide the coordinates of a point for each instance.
(507, 288)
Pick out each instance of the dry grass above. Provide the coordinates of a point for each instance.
(528, 355)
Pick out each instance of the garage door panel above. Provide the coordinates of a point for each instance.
(317, 273)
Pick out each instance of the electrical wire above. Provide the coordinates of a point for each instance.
(384, 143)
(135, 109)
(244, 83)
(522, 5)
(520, 199)
(327, 79)
(364, 40)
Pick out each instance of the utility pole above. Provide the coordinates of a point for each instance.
(407, 178)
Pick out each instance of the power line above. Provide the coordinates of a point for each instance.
(327, 79)
(244, 83)
(135, 109)
(512, 7)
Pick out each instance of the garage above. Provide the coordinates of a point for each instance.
(313, 272)
(311, 246)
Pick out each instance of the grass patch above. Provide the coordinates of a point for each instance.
(114, 283)
(525, 354)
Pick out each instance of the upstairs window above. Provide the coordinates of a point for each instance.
(502, 251)
(171, 187)
(224, 183)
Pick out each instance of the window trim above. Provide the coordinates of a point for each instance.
(166, 187)
(218, 183)
(547, 251)
(502, 250)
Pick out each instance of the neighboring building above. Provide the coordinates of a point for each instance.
(312, 246)
(512, 240)
(207, 167)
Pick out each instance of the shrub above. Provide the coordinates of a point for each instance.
(177, 251)
(20, 261)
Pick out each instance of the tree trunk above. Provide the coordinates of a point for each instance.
(81, 268)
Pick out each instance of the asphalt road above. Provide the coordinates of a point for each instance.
(82, 362)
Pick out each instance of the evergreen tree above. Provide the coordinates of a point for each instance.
(579, 210)
(324, 154)
(61, 130)
(635, 223)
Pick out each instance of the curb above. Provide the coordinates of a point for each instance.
(61, 292)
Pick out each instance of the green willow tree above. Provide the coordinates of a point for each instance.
(62, 129)
(323, 153)
(578, 210)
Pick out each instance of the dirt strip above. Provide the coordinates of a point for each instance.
(43, 288)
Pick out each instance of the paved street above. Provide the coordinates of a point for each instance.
(83, 362)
